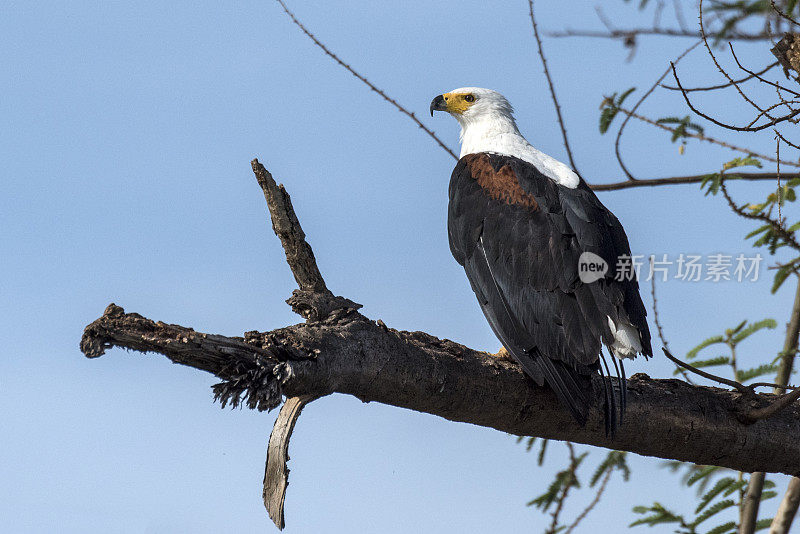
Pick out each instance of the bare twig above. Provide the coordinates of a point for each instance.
(782, 402)
(679, 15)
(552, 88)
(702, 137)
(678, 180)
(782, 14)
(600, 490)
(741, 388)
(719, 67)
(723, 85)
(567, 485)
(636, 106)
(758, 75)
(782, 138)
(366, 82)
(778, 228)
(657, 319)
(629, 33)
(729, 126)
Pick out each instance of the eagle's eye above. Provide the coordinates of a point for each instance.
(470, 98)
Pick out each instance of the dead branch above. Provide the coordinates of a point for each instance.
(339, 350)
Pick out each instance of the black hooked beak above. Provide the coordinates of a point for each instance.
(438, 104)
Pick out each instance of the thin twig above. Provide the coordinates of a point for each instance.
(741, 388)
(565, 490)
(552, 88)
(657, 320)
(366, 82)
(670, 32)
(782, 14)
(782, 138)
(679, 180)
(758, 76)
(781, 403)
(719, 67)
(722, 124)
(703, 137)
(679, 15)
(723, 85)
(784, 234)
(585, 512)
(636, 106)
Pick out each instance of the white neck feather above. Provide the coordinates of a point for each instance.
(498, 133)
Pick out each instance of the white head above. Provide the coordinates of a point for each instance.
(471, 105)
(487, 125)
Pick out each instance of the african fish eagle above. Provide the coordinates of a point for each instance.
(518, 221)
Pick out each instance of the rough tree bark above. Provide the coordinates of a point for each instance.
(338, 350)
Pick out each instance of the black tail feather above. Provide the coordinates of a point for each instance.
(621, 390)
(565, 383)
(609, 410)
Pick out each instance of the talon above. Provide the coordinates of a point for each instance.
(503, 354)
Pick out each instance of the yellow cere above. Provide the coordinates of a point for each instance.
(458, 102)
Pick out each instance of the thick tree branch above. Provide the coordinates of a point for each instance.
(346, 353)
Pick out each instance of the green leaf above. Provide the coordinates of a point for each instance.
(761, 370)
(701, 473)
(768, 495)
(752, 328)
(759, 230)
(721, 485)
(540, 459)
(761, 524)
(711, 362)
(780, 277)
(705, 343)
(614, 460)
(659, 515)
(606, 116)
(713, 510)
(747, 161)
(624, 95)
(610, 108)
(739, 484)
(730, 526)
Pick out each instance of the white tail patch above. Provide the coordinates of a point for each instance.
(627, 340)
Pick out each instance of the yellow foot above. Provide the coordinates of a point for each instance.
(503, 354)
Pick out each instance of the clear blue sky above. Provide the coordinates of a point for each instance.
(127, 133)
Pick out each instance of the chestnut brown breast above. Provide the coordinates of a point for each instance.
(500, 184)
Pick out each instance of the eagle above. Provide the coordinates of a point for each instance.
(522, 223)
